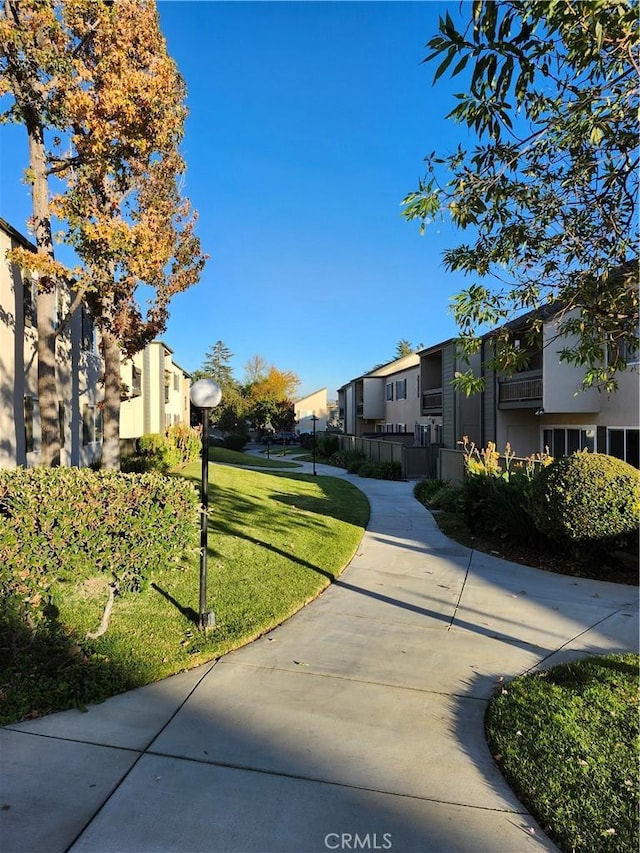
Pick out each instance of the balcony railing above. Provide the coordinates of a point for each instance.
(431, 400)
(521, 390)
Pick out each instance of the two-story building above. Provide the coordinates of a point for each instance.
(384, 400)
(313, 405)
(155, 392)
(541, 407)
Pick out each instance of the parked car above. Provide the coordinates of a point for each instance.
(281, 438)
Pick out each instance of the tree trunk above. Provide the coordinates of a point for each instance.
(111, 405)
(46, 302)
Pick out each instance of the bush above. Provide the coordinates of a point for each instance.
(187, 440)
(349, 459)
(178, 445)
(501, 507)
(448, 498)
(425, 489)
(235, 441)
(439, 494)
(381, 470)
(70, 523)
(306, 440)
(327, 445)
(587, 499)
(156, 453)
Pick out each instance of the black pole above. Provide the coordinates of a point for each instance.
(314, 445)
(204, 516)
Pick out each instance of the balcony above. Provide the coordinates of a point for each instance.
(432, 401)
(521, 392)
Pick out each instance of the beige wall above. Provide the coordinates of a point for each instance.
(164, 392)
(312, 404)
(562, 382)
(404, 411)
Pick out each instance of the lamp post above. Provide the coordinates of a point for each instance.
(314, 421)
(205, 394)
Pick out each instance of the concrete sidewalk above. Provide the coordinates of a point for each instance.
(356, 725)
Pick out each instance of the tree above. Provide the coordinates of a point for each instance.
(34, 65)
(283, 417)
(216, 366)
(99, 74)
(550, 190)
(266, 389)
(403, 347)
(255, 369)
(125, 215)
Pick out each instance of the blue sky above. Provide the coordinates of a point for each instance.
(308, 124)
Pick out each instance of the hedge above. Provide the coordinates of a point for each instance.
(587, 499)
(71, 523)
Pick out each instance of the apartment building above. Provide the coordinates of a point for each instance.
(541, 407)
(79, 368)
(545, 406)
(384, 400)
(155, 392)
(313, 404)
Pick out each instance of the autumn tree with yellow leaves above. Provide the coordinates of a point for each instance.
(119, 106)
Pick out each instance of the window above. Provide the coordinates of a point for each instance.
(88, 331)
(58, 307)
(389, 390)
(624, 443)
(563, 441)
(28, 303)
(91, 424)
(401, 427)
(28, 424)
(136, 381)
(627, 351)
(418, 387)
(61, 423)
(401, 389)
(176, 381)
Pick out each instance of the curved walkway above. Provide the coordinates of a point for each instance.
(356, 725)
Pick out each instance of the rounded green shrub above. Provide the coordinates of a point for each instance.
(448, 498)
(587, 498)
(327, 445)
(424, 490)
(235, 441)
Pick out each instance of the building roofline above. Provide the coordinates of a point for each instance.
(312, 394)
(13, 232)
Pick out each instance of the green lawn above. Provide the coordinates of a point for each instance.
(275, 541)
(567, 742)
(237, 457)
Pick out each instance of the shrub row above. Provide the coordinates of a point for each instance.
(579, 502)
(178, 445)
(70, 523)
(357, 463)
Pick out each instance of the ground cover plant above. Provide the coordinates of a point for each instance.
(275, 541)
(567, 741)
